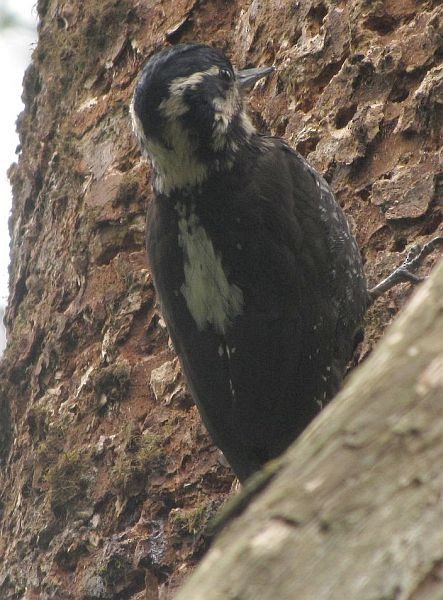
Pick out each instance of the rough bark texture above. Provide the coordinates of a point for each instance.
(107, 475)
(356, 509)
(2, 330)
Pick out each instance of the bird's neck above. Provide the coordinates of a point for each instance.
(176, 168)
(183, 162)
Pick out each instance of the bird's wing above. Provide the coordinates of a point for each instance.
(284, 366)
(284, 243)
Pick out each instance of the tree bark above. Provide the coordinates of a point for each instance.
(355, 510)
(107, 477)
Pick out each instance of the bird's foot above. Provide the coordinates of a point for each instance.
(404, 273)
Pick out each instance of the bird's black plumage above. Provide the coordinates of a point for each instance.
(259, 277)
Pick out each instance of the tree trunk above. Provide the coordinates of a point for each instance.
(107, 475)
(355, 510)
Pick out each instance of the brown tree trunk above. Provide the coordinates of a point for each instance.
(356, 508)
(107, 475)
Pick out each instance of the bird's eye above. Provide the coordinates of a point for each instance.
(226, 74)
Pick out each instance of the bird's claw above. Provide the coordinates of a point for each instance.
(412, 255)
(409, 276)
(403, 273)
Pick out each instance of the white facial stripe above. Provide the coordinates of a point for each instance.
(209, 296)
(174, 106)
(225, 111)
(180, 83)
(176, 161)
(246, 124)
(137, 126)
(175, 167)
(228, 107)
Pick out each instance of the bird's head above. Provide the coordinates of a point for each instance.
(188, 113)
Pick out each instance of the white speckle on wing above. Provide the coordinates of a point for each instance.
(238, 246)
(220, 350)
(209, 296)
(231, 387)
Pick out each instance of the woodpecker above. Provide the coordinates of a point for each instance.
(258, 275)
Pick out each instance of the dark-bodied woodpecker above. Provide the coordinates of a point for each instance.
(259, 278)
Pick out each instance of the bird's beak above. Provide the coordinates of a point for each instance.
(248, 77)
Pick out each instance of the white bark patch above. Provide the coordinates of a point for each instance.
(313, 485)
(209, 296)
(271, 539)
(431, 377)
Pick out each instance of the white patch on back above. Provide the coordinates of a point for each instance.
(209, 296)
